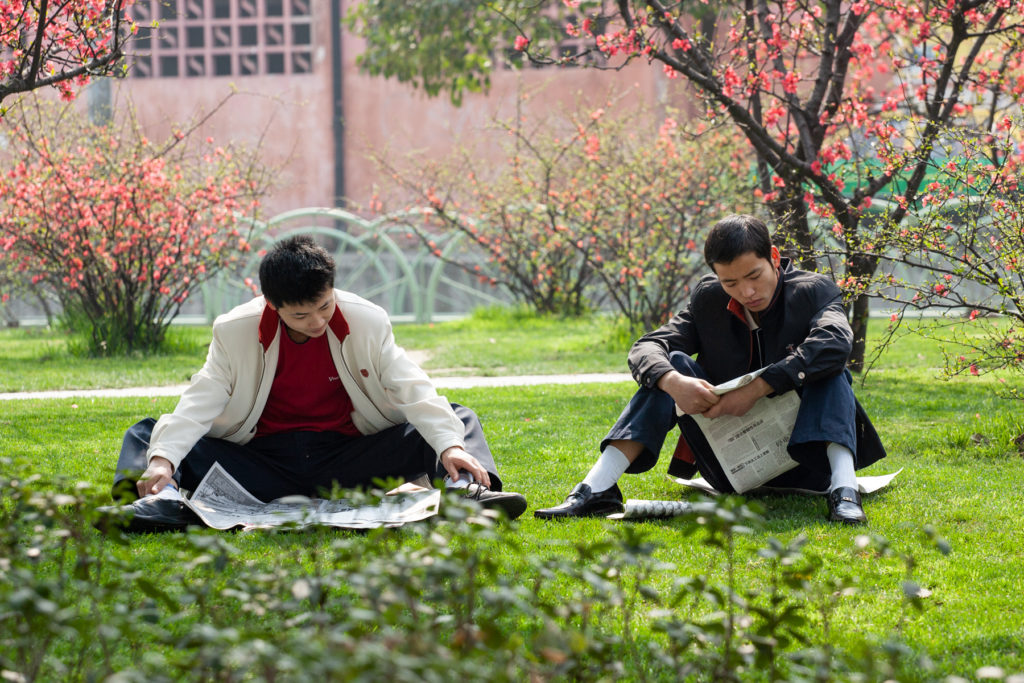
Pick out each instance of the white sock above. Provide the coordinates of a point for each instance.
(606, 471)
(841, 460)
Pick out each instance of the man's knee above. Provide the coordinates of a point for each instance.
(685, 364)
(463, 413)
(141, 431)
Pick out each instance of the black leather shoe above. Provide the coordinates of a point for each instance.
(583, 502)
(844, 506)
(511, 503)
(149, 514)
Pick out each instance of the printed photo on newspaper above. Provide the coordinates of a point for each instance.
(752, 448)
(222, 503)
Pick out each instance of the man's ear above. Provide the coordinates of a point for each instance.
(269, 305)
(776, 257)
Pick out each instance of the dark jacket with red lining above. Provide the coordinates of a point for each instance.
(804, 331)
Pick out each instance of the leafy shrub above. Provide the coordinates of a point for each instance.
(455, 597)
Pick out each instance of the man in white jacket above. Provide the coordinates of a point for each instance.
(303, 389)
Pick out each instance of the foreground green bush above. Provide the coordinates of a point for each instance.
(454, 598)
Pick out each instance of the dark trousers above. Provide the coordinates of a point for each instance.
(827, 413)
(305, 463)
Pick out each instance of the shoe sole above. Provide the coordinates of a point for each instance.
(512, 507)
(146, 527)
(601, 512)
(847, 521)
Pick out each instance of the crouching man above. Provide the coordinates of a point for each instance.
(303, 389)
(756, 311)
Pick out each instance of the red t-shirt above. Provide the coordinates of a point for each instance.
(307, 393)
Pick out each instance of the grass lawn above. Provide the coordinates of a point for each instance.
(953, 439)
(489, 344)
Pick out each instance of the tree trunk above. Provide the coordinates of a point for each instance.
(859, 323)
(862, 268)
(793, 231)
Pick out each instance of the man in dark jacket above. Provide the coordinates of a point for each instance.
(756, 312)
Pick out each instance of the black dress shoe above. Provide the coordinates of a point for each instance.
(511, 503)
(583, 502)
(149, 514)
(844, 506)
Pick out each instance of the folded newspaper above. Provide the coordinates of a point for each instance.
(752, 448)
(636, 508)
(222, 503)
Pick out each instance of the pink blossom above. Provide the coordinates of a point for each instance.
(521, 43)
(682, 44)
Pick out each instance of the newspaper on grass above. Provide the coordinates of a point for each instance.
(222, 503)
(752, 448)
(865, 484)
(660, 509)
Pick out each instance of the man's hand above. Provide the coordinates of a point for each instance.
(455, 459)
(739, 401)
(156, 476)
(692, 395)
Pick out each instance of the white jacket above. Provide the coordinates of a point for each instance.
(227, 396)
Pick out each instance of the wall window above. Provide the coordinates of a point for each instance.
(202, 38)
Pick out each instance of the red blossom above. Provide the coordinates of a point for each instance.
(118, 226)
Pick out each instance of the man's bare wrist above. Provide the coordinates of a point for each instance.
(665, 379)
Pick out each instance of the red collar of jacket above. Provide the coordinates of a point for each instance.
(269, 323)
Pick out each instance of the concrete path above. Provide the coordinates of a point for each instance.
(439, 382)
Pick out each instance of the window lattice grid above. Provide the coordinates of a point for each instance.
(203, 38)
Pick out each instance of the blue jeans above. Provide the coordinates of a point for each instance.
(304, 463)
(828, 413)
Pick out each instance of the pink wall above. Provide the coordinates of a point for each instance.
(290, 116)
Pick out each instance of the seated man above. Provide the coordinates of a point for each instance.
(756, 311)
(303, 389)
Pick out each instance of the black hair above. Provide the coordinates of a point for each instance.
(296, 270)
(734, 236)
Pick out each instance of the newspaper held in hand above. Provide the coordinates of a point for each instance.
(752, 449)
(222, 503)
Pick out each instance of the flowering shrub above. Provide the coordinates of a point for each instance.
(590, 212)
(59, 44)
(120, 229)
(962, 253)
(843, 103)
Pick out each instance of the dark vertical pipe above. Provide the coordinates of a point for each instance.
(339, 109)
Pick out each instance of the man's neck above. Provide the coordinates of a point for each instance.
(296, 337)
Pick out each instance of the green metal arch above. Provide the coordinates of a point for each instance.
(407, 278)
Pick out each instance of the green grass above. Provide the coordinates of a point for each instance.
(489, 343)
(39, 359)
(953, 439)
(545, 437)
